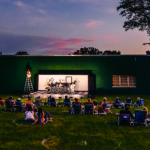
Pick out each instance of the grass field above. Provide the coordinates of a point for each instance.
(73, 132)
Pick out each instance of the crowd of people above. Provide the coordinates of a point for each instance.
(34, 115)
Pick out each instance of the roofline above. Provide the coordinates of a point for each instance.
(70, 55)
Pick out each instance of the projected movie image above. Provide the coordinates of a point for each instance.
(63, 83)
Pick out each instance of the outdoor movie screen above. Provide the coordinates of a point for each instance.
(81, 84)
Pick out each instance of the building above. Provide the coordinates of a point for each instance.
(112, 74)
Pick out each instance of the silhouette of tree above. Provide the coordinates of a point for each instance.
(137, 13)
(22, 53)
(87, 51)
(113, 52)
(94, 51)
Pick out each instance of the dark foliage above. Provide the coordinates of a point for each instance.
(114, 52)
(137, 13)
(94, 51)
(22, 53)
(87, 51)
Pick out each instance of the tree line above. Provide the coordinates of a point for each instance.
(95, 51)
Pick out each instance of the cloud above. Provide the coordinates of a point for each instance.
(113, 38)
(28, 8)
(81, 1)
(11, 43)
(20, 4)
(41, 11)
(94, 23)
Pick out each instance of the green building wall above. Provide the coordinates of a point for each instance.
(13, 70)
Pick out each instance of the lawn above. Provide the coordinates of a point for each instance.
(73, 132)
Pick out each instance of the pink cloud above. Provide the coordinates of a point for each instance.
(76, 41)
(63, 44)
(37, 45)
(95, 22)
(91, 23)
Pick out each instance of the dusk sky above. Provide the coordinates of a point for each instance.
(49, 27)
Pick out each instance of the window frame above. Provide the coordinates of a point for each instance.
(128, 82)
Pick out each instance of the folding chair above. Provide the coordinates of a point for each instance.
(140, 117)
(141, 102)
(76, 108)
(52, 102)
(88, 108)
(128, 102)
(18, 106)
(9, 105)
(95, 103)
(123, 117)
(117, 103)
(67, 102)
(38, 101)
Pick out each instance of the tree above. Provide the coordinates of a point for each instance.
(94, 51)
(22, 53)
(113, 52)
(137, 13)
(87, 51)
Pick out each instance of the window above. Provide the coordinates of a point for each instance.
(123, 81)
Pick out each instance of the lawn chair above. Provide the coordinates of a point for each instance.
(95, 103)
(38, 101)
(128, 102)
(140, 117)
(117, 103)
(88, 108)
(9, 105)
(76, 108)
(108, 107)
(141, 102)
(18, 106)
(67, 102)
(124, 117)
(52, 102)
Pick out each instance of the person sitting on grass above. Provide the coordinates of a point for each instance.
(29, 115)
(41, 118)
(95, 102)
(89, 100)
(137, 103)
(29, 104)
(103, 106)
(76, 100)
(145, 108)
(2, 102)
(116, 101)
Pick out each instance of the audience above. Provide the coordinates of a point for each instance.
(137, 103)
(126, 111)
(76, 100)
(89, 100)
(2, 102)
(95, 102)
(41, 118)
(103, 106)
(145, 108)
(29, 115)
